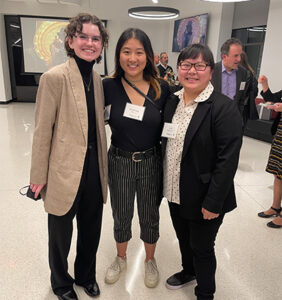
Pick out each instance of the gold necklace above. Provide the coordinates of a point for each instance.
(88, 85)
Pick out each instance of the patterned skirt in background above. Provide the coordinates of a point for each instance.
(274, 165)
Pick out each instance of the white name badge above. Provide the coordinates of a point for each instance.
(107, 112)
(133, 111)
(242, 85)
(170, 130)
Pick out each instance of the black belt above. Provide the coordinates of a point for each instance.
(135, 156)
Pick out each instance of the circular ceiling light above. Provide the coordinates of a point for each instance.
(153, 13)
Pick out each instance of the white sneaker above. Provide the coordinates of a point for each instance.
(151, 273)
(114, 271)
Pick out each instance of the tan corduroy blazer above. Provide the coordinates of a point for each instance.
(60, 136)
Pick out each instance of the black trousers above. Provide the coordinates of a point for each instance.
(88, 209)
(196, 241)
(143, 178)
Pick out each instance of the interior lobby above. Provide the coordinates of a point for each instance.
(249, 254)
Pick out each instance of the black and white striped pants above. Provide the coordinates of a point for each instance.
(143, 178)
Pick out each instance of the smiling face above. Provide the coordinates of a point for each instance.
(233, 58)
(87, 44)
(133, 59)
(164, 59)
(194, 82)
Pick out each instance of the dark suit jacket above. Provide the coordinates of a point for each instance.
(162, 70)
(242, 75)
(273, 97)
(210, 155)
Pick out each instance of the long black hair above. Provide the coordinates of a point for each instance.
(150, 72)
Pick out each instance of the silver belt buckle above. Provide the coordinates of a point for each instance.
(133, 157)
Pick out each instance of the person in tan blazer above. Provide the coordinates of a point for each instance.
(69, 155)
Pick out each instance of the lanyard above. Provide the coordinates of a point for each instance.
(141, 93)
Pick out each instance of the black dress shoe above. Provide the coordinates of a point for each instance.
(179, 280)
(273, 225)
(69, 295)
(92, 289)
(276, 213)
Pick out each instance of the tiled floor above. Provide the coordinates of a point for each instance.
(249, 253)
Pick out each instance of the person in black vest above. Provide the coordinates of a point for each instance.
(274, 165)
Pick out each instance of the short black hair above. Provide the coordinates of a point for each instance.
(194, 51)
(226, 45)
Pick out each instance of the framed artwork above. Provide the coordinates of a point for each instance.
(189, 31)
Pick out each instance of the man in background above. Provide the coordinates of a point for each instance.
(229, 77)
(156, 59)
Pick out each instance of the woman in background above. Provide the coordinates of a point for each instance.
(274, 165)
(135, 97)
(250, 110)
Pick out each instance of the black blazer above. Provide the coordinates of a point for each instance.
(273, 97)
(210, 155)
(242, 75)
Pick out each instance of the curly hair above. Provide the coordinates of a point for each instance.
(76, 25)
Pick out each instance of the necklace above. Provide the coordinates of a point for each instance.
(88, 85)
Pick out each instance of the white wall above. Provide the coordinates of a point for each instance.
(272, 54)
(253, 13)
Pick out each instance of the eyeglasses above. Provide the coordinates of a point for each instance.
(85, 38)
(198, 66)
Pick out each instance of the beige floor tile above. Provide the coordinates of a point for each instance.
(249, 253)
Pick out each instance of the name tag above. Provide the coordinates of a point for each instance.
(133, 111)
(107, 112)
(242, 85)
(170, 130)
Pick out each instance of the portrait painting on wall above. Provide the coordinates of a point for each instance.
(189, 31)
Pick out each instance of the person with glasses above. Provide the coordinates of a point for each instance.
(229, 77)
(201, 142)
(69, 155)
(135, 97)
